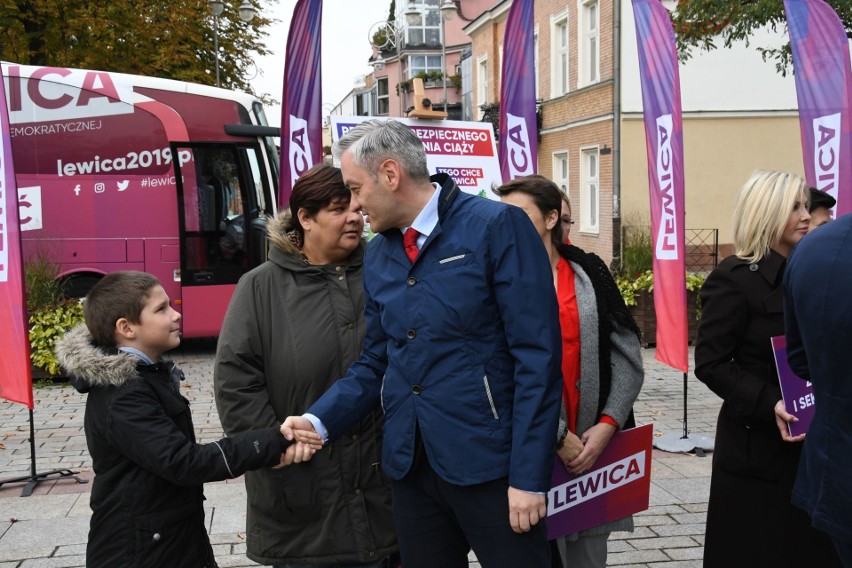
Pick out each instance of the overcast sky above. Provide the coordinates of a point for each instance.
(345, 48)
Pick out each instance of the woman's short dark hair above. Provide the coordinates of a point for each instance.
(545, 195)
(317, 187)
(117, 295)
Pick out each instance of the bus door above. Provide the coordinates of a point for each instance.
(223, 201)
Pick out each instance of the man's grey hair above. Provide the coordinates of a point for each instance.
(374, 141)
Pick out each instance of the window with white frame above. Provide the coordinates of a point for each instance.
(362, 104)
(559, 56)
(590, 190)
(481, 82)
(560, 170)
(425, 27)
(417, 64)
(382, 97)
(589, 42)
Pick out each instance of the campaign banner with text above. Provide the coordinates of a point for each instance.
(618, 485)
(466, 151)
(824, 90)
(518, 124)
(301, 114)
(797, 393)
(15, 368)
(660, 79)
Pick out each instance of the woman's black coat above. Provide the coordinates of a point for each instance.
(750, 521)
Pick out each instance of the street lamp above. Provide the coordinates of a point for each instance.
(217, 7)
(392, 40)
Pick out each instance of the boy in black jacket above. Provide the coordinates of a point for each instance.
(147, 494)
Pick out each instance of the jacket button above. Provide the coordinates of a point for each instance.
(354, 436)
(339, 268)
(357, 491)
(416, 389)
(372, 554)
(351, 326)
(411, 334)
(752, 267)
(340, 277)
(156, 537)
(411, 281)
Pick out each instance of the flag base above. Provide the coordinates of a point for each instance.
(35, 479)
(678, 443)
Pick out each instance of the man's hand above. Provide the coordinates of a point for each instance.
(571, 448)
(594, 441)
(525, 509)
(782, 417)
(306, 441)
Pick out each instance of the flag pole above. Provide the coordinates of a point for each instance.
(684, 444)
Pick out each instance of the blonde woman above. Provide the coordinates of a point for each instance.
(750, 521)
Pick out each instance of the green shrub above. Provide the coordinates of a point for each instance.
(41, 281)
(637, 250)
(630, 287)
(47, 325)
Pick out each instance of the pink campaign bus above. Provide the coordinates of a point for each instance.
(119, 172)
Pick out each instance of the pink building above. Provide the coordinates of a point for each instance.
(425, 40)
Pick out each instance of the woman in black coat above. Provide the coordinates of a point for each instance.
(750, 520)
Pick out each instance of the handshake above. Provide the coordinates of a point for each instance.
(304, 441)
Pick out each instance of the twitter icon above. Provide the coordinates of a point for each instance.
(122, 185)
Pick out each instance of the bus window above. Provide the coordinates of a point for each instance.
(215, 205)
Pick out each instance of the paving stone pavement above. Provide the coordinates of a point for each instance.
(49, 529)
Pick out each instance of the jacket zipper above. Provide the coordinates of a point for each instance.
(490, 398)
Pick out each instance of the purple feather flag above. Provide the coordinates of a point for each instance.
(518, 151)
(301, 115)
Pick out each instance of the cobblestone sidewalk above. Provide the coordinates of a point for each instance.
(48, 530)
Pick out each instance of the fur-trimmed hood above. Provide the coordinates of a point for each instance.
(280, 238)
(90, 365)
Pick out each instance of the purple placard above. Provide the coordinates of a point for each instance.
(617, 486)
(798, 394)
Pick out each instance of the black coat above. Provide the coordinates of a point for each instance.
(750, 521)
(147, 497)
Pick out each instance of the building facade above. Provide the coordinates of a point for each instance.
(739, 115)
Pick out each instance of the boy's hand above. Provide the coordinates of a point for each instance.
(287, 457)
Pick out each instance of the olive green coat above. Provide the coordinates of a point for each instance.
(291, 330)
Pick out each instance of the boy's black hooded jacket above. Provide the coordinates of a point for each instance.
(147, 494)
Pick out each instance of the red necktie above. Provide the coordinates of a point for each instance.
(409, 241)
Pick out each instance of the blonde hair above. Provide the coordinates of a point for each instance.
(762, 211)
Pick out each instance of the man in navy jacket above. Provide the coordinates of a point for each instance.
(818, 325)
(463, 351)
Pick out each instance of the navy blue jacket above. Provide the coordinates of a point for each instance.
(465, 342)
(818, 325)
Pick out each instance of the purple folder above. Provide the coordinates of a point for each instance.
(798, 394)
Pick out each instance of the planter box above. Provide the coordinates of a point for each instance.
(646, 318)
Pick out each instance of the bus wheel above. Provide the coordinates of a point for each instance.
(77, 286)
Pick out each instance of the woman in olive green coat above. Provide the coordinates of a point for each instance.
(293, 327)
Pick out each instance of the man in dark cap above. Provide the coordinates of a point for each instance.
(820, 208)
